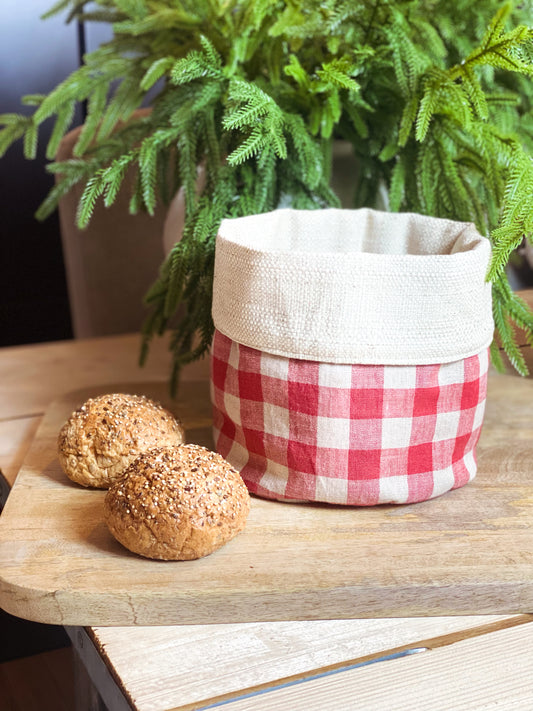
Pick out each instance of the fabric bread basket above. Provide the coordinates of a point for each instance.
(350, 355)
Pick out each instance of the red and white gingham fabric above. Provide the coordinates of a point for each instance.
(346, 434)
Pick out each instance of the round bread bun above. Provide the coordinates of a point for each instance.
(177, 503)
(100, 439)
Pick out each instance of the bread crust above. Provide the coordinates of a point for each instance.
(177, 503)
(100, 439)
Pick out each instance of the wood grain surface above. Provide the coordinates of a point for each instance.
(467, 552)
(35, 375)
(478, 674)
(190, 667)
(16, 437)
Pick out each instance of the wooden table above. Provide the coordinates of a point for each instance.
(459, 663)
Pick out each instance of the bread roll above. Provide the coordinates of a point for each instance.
(102, 437)
(177, 503)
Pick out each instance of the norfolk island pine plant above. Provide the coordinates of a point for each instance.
(434, 97)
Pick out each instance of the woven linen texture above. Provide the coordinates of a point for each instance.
(346, 434)
(353, 286)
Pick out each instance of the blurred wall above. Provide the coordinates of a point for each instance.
(35, 55)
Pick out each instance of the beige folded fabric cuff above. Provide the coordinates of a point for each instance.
(353, 286)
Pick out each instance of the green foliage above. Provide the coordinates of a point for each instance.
(435, 98)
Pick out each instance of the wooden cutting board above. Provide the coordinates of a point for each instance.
(467, 552)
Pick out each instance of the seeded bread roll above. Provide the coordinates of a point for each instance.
(102, 437)
(177, 503)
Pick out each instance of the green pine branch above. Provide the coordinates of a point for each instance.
(436, 103)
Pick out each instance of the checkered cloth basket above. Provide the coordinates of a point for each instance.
(350, 356)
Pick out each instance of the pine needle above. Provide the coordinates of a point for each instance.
(436, 101)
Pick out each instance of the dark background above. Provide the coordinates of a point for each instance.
(35, 55)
